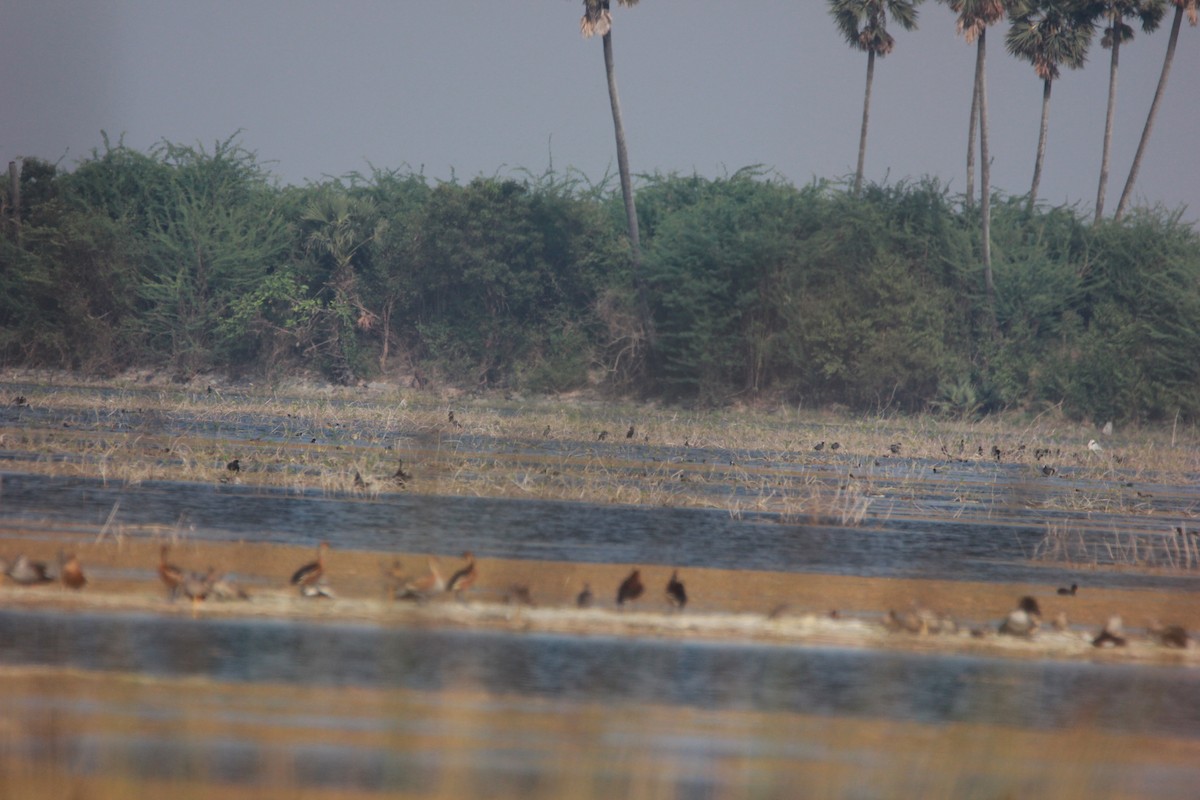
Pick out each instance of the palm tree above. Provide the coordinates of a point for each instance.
(1048, 34)
(1149, 13)
(597, 20)
(864, 24)
(1180, 7)
(974, 18)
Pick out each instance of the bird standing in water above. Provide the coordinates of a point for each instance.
(465, 578)
(631, 588)
(310, 576)
(676, 594)
(70, 573)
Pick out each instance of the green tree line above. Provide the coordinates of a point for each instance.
(192, 260)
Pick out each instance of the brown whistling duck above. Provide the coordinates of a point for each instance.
(1024, 620)
(1169, 635)
(421, 588)
(584, 598)
(1069, 592)
(28, 572)
(70, 573)
(169, 574)
(465, 578)
(676, 594)
(311, 573)
(1113, 634)
(631, 588)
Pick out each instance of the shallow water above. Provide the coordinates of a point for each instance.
(963, 548)
(473, 713)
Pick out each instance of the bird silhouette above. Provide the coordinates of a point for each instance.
(168, 573)
(629, 433)
(895, 448)
(309, 576)
(584, 598)
(70, 573)
(1024, 620)
(1063, 590)
(464, 578)
(676, 594)
(28, 572)
(819, 446)
(234, 466)
(631, 588)
(420, 589)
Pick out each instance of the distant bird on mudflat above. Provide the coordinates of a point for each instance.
(676, 594)
(1024, 620)
(602, 436)
(1063, 590)
(1169, 635)
(27, 572)
(631, 588)
(309, 575)
(234, 466)
(895, 448)
(464, 578)
(168, 573)
(584, 598)
(70, 573)
(629, 433)
(420, 589)
(819, 446)
(835, 445)
(1112, 635)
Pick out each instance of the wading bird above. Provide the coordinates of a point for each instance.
(70, 573)
(168, 573)
(420, 589)
(676, 594)
(28, 572)
(1024, 620)
(631, 588)
(309, 576)
(465, 578)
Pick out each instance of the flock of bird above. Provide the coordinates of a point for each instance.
(1026, 619)
(310, 579)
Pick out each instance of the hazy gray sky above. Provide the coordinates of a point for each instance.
(706, 86)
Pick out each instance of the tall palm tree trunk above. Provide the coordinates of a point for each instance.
(970, 191)
(623, 169)
(1108, 123)
(862, 137)
(985, 175)
(1041, 145)
(1158, 93)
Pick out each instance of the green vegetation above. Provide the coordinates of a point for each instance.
(197, 261)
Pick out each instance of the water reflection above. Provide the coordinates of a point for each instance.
(832, 682)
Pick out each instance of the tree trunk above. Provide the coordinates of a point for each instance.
(971, 133)
(1108, 122)
(1158, 93)
(1041, 145)
(862, 137)
(985, 189)
(626, 180)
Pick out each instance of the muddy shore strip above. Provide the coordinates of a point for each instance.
(540, 596)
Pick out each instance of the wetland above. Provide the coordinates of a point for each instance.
(779, 677)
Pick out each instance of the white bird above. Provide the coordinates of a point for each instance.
(1094, 446)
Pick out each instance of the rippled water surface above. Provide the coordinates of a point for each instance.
(318, 705)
